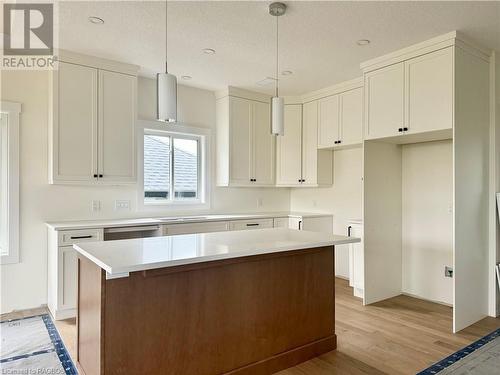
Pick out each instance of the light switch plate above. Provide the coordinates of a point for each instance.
(122, 205)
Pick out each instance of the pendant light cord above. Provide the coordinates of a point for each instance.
(277, 54)
(166, 36)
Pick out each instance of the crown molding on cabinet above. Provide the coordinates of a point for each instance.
(243, 94)
(96, 62)
(333, 90)
(454, 38)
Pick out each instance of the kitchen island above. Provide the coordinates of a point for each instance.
(242, 302)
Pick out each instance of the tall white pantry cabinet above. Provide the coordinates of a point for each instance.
(435, 90)
(92, 124)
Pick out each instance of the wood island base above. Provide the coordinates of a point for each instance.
(248, 315)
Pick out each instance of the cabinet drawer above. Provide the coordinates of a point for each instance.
(69, 237)
(189, 228)
(251, 224)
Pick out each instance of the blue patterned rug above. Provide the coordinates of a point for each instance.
(33, 346)
(479, 358)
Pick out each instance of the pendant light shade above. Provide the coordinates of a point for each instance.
(277, 102)
(166, 87)
(277, 116)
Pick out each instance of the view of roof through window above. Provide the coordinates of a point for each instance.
(158, 160)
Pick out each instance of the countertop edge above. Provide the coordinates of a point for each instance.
(181, 262)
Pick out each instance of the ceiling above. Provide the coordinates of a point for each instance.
(317, 39)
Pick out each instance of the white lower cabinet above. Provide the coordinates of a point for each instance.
(63, 269)
(356, 260)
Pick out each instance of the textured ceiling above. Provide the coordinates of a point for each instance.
(318, 39)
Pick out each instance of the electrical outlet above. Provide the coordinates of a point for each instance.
(96, 206)
(122, 205)
(448, 271)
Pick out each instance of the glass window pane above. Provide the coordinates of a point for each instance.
(156, 168)
(186, 169)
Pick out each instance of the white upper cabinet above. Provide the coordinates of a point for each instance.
(351, 117)
(340, 115)
(289, 148)
(310, 143)
(384, 90)
(411, 97)
(263, 145)
(74, 130)
(328, 121)
(241, 150)
(299, 162)
(93, 122)
(429, 92)
(116, 148)
(245, 147)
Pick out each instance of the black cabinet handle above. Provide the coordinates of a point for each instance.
(400, 130)
(101, 176)
(299, 180)
(335, 142)
(80, 237)
(349, 231)
(405, 129)
(300, 224)
(340, 141)
(252, 225)
(95, 176)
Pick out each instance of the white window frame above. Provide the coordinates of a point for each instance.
(12, 110)
(188, 132)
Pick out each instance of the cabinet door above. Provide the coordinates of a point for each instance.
(310, 144)
(429, 92)
(328, 121)
(289, 153)
(68, 277)
(351, 103)
(117, 115)
(240, 117)
(358, 268)
(384, 101)
(74, 130)
(263, 144)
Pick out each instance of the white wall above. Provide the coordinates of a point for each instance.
(427, 218)
(343, 200)
(24, 285)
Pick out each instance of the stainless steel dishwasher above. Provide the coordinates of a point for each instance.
(124, 233)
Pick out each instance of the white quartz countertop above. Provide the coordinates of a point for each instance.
(124, 256)
(69, 225)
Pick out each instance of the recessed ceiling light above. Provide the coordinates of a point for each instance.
(286, 72)
(363, 42)
(209, 51)
(96, 20)
(186, 78)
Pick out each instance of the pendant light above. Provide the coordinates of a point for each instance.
(277, 102)
(166, 87)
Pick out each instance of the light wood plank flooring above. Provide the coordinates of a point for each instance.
(402, 335)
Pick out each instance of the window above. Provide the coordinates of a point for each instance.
(9, 182)
(173, 165)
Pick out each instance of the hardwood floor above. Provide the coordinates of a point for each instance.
(402, 335)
